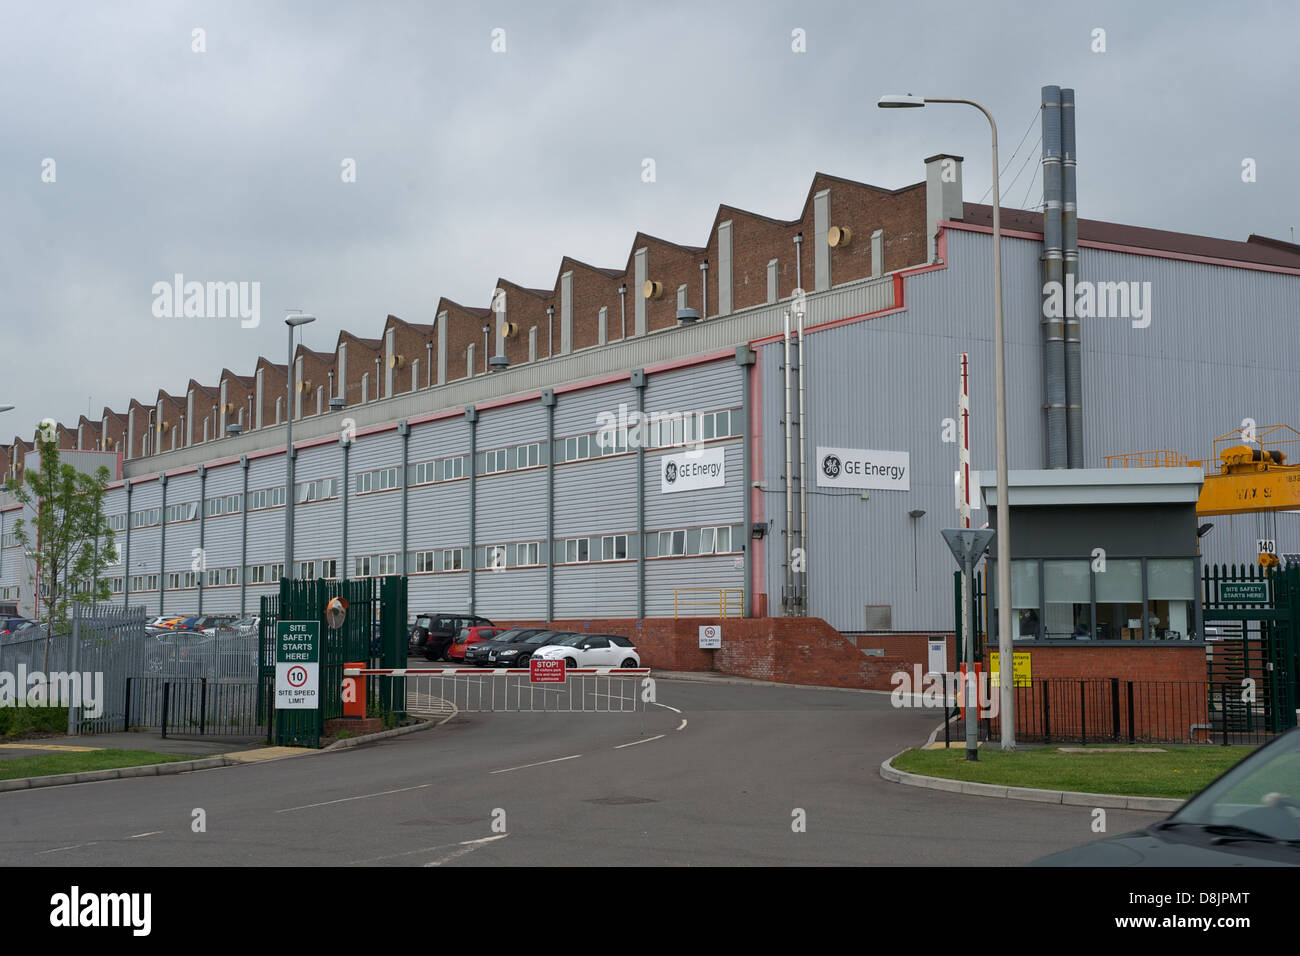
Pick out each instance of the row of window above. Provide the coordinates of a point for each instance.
(9, 594)
(659, 431)
(444, 469)
(9, 540)
(510, 459)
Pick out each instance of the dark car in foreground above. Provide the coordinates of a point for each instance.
(519, 653)
(1250, 816)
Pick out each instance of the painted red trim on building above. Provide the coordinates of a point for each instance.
(757, 546)
(1133, 250)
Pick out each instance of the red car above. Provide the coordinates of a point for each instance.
(468, 636)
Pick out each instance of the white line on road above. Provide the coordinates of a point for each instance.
(673, 709)
(59, 849)
(364, 796)
(468, 846)
(139, 835)
(635, 742)
(538, 764)
(683, 726)
(424, 849)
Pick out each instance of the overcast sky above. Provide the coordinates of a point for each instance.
(226, 164)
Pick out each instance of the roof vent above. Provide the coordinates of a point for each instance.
(688, 316)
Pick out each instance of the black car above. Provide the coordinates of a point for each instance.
(434, 632)
(480, 654)
(518, 653)
(1250, 816)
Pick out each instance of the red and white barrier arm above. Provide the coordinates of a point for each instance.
(485, 671)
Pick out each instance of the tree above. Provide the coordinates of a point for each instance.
(74, 543)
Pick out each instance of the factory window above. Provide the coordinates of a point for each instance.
(577, 550)
(613, 547)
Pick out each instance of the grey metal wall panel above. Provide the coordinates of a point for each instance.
(596, 590)
(702, 506)
(512, 506)
(579, 412)
(182, 536)
(511, 594)
(439, 515)
(511, 425)
(222, 534)
(698, 388)
(438, 592)
(596, 497)
(664, 576)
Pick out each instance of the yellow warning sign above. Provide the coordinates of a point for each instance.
(1020, 672)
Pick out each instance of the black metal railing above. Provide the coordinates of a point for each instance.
(183, 707)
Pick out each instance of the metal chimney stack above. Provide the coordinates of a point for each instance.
(1070, 241)
(1053, 330)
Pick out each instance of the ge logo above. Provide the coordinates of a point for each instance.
(830, 466)
(670, 472)
(297, 676)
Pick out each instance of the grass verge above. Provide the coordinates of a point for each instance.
(46, 764)
(1179, 772)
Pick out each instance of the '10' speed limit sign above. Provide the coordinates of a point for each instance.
(710, 636)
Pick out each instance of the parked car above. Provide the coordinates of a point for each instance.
(434, 632)
(478, 655)
(519, 653)
(591, 650)
(469, 636)
(12, 625)
(1249, 816)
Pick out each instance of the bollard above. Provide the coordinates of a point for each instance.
(355, 689)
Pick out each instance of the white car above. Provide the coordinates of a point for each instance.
(591, 650)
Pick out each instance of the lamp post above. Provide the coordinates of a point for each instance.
(1007, 701)
(6, 408)
(293, 321)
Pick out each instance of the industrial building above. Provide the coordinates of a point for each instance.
(637, 440)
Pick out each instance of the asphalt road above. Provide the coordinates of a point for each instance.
(724, 777)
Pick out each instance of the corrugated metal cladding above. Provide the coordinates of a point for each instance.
(374, 518)
(694, 580)
(596, 497)
(223, 535)
(604, 589)
(1207, 360)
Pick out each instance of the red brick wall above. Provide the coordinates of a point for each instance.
(784, 650)
(1078, 689)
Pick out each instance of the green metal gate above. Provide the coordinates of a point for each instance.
(1252, 630)
(374, 631)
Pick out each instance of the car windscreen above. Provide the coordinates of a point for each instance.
(1261, 793)
(541, 637)
(423, 621)
(573, 640)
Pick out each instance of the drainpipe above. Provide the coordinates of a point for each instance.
(471, 416)
(162, 545)
(548, 402)
(622, 311)
(638, 381)
(550, 315)
(203, 554)
(787, 477)
(346, 442)
(745, 359)
(704, 289)
(428, 364)
(803, 470)
(1053, 329)
(404, 429)
(126, 557)
(243, 545)
(798, 260)
(1070, 240)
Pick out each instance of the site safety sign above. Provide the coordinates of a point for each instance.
(297, 665)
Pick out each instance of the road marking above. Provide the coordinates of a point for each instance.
(635, 742)
(364, 796)
(538, 764)
(467, 846)
(139, 835)
(683, 726)
(673, 709)
(60, 849)
(425, 849)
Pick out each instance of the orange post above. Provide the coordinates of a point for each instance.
(354, 692)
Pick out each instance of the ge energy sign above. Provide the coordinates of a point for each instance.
(863, 468)
(688, 471)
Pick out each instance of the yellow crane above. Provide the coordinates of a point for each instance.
(1252, 474)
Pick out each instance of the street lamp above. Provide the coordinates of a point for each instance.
(293, 321)
(1007, 702)
(6, 408)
